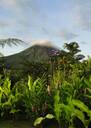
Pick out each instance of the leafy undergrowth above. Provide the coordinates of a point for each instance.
(61, 99)
(68, 103)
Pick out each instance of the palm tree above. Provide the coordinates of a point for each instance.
(73, 50)
(9, 42)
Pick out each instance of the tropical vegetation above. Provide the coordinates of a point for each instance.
(58, 95)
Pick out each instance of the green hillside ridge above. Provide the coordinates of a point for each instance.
(35, 53)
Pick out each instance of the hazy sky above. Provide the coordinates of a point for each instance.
(58, 21)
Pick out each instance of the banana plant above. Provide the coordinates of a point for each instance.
(34, 96)
(8, 99)
(73, 108)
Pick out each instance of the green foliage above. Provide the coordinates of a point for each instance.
(57, 106)
(10, 42)
(8, 99)
(35, 97)
(40, 119)
(71, 110)
(65, 93)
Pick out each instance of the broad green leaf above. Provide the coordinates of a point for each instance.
(88, 96)
(79, 114)
(1, 90)
(35, 83)
(49, 116)
(80, 105)
(7, 84)
(89, 89)
(57, 110)
(14, 111)
(38, 121)
(6, 104)
(57, 106)
(57, 97)
(30, 82)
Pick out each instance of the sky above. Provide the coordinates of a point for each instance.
(56, 21)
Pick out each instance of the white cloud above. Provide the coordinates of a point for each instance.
(3, 24)
(67, 35)
(20, 14)
(15, 16)
(42, 43)
(83, 42)
(9, 3)
(18, 5)
(82, 15)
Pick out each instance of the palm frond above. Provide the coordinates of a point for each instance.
(10, 42)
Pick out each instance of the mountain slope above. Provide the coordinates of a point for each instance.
(36, 53)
